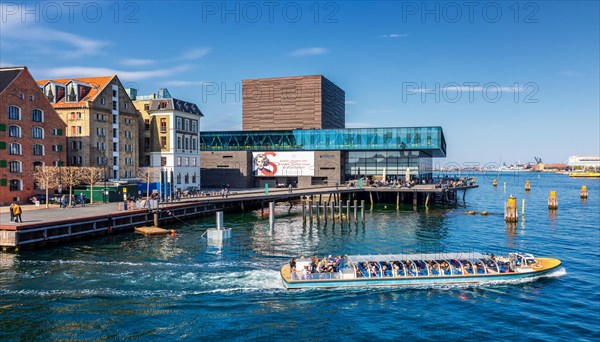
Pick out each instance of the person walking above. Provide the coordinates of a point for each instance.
(12, 211)
(82, 199)
(17, 211)
(290, 188)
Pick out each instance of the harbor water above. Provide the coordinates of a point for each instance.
(133, 287)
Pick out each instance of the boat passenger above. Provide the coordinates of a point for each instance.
(293, 265)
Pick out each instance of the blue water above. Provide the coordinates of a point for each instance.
(130, 287)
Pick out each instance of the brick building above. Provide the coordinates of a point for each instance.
(102, 123)
(31, 134)
(296, 102)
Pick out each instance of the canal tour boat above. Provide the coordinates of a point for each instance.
(412, 269)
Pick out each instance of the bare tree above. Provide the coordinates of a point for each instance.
(46, 177)
(92, 175)
(149, 174)
(71, 176)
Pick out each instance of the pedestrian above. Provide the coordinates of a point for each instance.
(17, 212)
(337, 186)
(290, 188)
(73, 201)
(12, 211)
(82, 198)
(63, 202)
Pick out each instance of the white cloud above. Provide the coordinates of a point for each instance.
(395, 35)
(312, 51)
(33, 38)
(81, 71)
(380, 111)
(195, 53)
(571, 73)
(137, 62)
(350, 102)
(183, 83)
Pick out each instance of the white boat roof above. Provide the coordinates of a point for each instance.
(419, 256)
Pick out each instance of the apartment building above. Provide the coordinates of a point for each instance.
(170, 137)
(102, 123)
(31, 134)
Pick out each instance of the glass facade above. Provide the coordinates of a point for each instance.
(391, 164)
(428, 141)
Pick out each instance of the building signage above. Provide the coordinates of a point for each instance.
(283, 164)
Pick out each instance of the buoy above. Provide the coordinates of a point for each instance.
(484, 213)
(552, 201)
(527, 186)
(495, 183)
(471, 212)
(583, 194)
(172, 232)
(511, 213)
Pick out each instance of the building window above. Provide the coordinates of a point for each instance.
(102, 100)
(14, 131)
(178, 161)
(187, 161)
(194, 164)
(15, 167)
(178, 123)
(187, 143)
(37, 132)
(187, 124)
(163, 125)
(114, 107)
(194, 126)
(15, 185)
(31, 97)
(178, 142)
(163, 142)
(14, 113)
(115, 147)
(194, 177)
(194, 144)
(115, 133)
(115, 121)
(56, 131)
(14, 149)
(147, 143)
(186, 179)
(179, 178)
(147, 124)
(37, 115)
(115, 161)
(38, 150)
(114, 93)
(21, 96)
(163, 161)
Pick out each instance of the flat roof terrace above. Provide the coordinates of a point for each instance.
(428, 140)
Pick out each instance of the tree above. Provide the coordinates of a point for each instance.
(92, 175)
(149, 174)
(46, 177)
(72, 176)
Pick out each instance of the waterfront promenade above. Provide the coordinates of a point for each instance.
(41, 225)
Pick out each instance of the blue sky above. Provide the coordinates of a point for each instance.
(506, 80)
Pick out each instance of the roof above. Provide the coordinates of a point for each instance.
(423, 256)
(7, 75)
(174, 104)
(97, 84)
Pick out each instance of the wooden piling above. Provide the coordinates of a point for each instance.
(371, 199)
(319, 213)
(271, 214)
(414, 199)
(303, 210)
(356, 211)
(310, 210)
(325, 214)
(362, 211)
(348, 211)
(427, 200)
(397, 201)
(340, 212)
(332, 212)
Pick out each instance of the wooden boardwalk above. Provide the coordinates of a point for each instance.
(44, 226)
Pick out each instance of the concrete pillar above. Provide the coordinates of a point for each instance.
(348, 211)
(271, 214)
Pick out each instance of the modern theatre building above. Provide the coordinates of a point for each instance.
(310, 147)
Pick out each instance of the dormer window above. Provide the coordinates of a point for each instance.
(50, 94)
(71, 93)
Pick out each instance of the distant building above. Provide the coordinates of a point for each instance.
(31, 134)
(170, 137)
(294, 133)
(298, 102)
(102, 123)
(584, 161)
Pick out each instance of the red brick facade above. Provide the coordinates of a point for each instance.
(18, 139)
